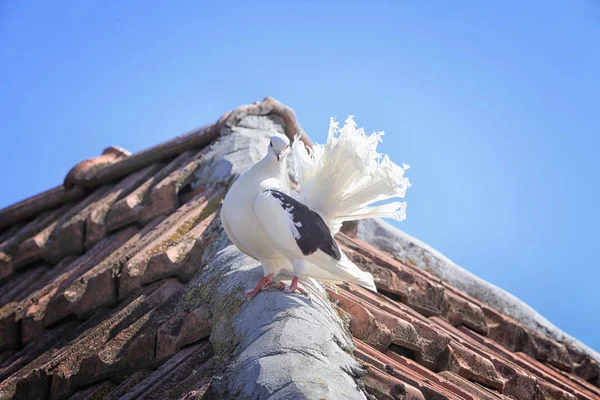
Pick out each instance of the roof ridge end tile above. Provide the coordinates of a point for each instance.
(270, 106)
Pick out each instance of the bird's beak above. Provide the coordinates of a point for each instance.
(278, 155)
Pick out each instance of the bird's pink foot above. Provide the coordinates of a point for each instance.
(265, 280)
(293, 287)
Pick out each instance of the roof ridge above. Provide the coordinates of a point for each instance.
(115, 162)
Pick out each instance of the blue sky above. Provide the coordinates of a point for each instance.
(494, 104)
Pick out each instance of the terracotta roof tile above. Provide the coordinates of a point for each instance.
(463, 358)
(95, 392)
(429, 389)
(181, 373)
(463, 312)
(96, 227)
(87, 169)
(9, 232)
(28, 242)
(63, 237)
(36, 205)
(9, 244)
(164, 196)
(181, 330)
(129, 208)
(114, 167)
(100, 295)
(518, 383)
(387, 387)
(128, 385)
(517, 363)
(14, 291)
(171, 241)
(576, 379)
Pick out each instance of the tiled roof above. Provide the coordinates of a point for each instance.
(106, 292)
(435, 338)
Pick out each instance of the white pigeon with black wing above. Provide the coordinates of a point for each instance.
(338, 181)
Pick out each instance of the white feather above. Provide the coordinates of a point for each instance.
(341, 178)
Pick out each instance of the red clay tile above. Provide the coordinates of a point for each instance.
(556, 378)
(399, 328)
(588, 370)
(429, 389)
(35, 205)
(164, 196)
(504, 330)
(9, 249)
(548, 391)
(164, 380)
(10, 244)
(547, 350)
(127, 385)
(527, 363)
(164, 151)
(61, 238)
(12, 313)
(96, 287)
(428, 375)
(576, 356)
(67, 298)
(477, 392)
(181, 330)
(171, 232)
(463, 312)
(181, 259)
(96, 227)
(55, 338)
(9, 331)
(378, 300)
(577, 380)
(87, 169)
(375, 327)
(95, 392)
(137, 206)
(8, 232)
(518, 382)
(417, 288)
(59, 347)
(387, 387)
(472, 366)
(116, 348)
(426, 297)
(386, 279)
(17, 288)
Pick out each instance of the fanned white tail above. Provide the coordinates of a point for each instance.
(343, 178)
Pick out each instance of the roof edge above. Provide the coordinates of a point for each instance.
(34, 205)
(487, 293)
(115, 163)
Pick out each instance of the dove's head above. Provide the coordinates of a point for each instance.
(278, 146)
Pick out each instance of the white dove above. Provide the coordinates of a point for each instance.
(291, 232)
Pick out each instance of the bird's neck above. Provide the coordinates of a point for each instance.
(269, 167)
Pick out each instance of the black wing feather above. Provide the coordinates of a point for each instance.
(314, 233)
